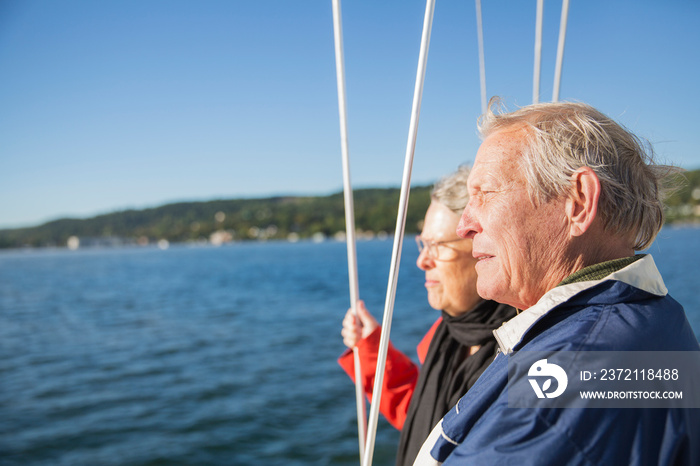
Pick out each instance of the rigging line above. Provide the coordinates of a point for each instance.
(482, 63)
(560, 49)
(538, 54)
(399, 233)
(349, 217)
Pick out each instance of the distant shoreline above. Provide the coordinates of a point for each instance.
(290, 218)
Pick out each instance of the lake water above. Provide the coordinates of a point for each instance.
(221, 356)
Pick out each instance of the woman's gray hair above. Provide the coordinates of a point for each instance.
(451, 191)
(563, 137)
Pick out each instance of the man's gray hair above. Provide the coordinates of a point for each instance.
(563, 137)
(451, 191)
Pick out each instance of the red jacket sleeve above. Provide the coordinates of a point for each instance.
(400, 375)
(424, 344)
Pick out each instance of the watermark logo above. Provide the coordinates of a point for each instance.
(604, 379)
(541, 369)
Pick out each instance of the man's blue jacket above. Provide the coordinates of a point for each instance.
(629, 310)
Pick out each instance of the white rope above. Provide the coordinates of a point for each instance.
(538, 54)
(349, 217)
(560, 49)
(482, 63)
(399, 233)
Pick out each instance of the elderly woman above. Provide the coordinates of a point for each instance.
(457, 348)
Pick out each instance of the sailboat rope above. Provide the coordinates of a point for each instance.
(349, 217)
(482, 64)
(560, 49)
(399, 233)
(538, 53)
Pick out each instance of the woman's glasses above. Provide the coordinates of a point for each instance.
(437, 250)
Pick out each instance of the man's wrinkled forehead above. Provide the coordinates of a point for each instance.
(499, 156)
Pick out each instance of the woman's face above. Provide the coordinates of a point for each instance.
(450, 278)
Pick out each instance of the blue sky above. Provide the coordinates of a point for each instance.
(130, 104)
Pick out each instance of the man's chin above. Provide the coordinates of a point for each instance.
(486, 290)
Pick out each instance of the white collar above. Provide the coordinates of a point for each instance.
(641, 274)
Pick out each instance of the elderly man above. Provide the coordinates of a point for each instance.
(561, 197)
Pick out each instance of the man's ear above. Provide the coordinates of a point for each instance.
(582, 204)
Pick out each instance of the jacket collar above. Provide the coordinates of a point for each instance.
(641, 274)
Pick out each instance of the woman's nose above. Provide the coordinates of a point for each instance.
(425, 261)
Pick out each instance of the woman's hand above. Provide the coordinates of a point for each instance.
(355, 329)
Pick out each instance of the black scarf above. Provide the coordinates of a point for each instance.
(448, 373)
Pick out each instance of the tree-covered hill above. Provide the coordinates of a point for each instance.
(288, 217)
(236, 219)
(683, 206)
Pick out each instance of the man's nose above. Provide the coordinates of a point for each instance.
(466, 228)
